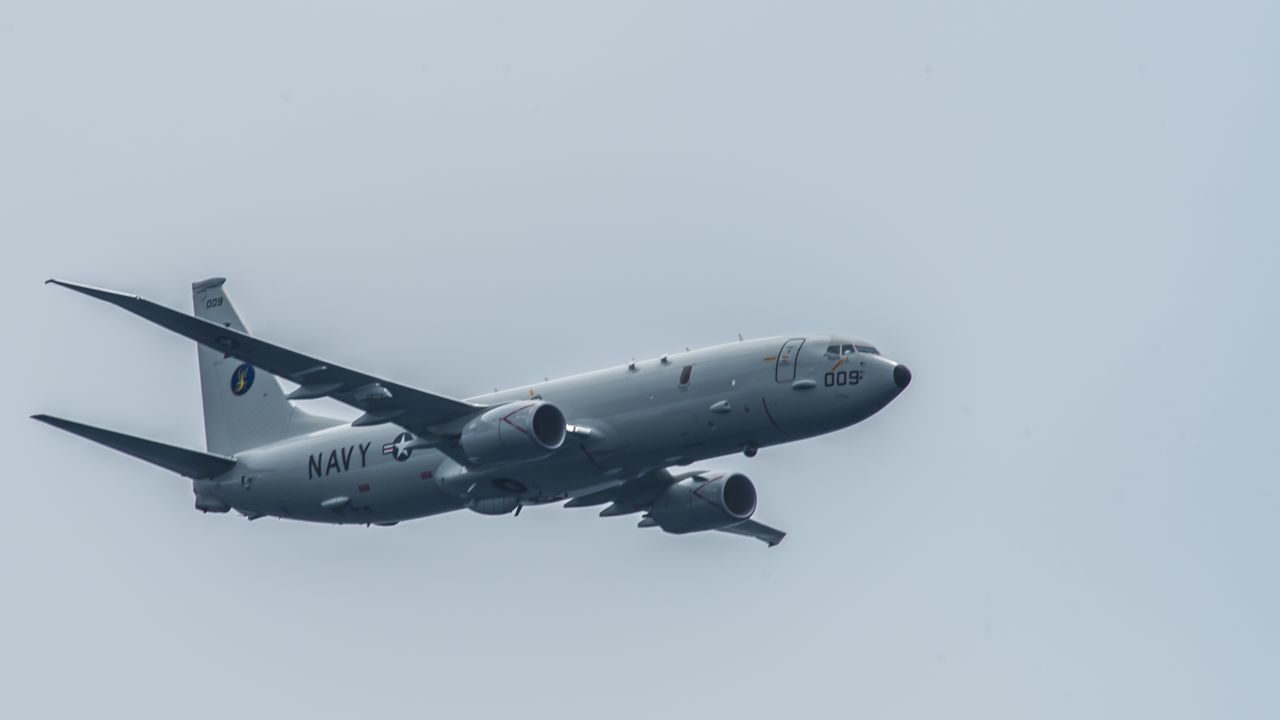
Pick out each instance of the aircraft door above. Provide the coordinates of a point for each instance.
(788, 356)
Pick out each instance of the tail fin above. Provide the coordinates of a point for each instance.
(243, 408)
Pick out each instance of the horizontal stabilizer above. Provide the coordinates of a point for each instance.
(759, 531)
(193, 464)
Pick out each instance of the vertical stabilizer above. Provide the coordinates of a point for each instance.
(243, 407)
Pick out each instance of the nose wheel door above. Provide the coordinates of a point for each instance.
(788, 356)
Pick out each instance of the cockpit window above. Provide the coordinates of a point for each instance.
(843, 348)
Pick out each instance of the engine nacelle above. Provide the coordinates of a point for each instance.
(705, 502)
(512, 432)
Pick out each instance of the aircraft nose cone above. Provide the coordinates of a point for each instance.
(901, 377)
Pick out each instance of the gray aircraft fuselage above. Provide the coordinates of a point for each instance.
(624, 422)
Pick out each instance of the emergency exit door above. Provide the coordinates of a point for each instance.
(788, 356)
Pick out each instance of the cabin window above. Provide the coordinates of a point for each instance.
(684, 375)
(868, 349)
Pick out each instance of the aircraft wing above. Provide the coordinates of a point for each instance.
(638, 494)
(382, 401)
(759, 531)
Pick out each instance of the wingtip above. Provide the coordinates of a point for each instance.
(93, 291)
(62, 283)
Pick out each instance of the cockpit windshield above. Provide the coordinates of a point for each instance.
(838, 348)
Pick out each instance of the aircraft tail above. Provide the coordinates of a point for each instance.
(195, 465)
(243, 408)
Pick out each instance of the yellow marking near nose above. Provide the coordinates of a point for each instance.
(840, 362)
(771, 358)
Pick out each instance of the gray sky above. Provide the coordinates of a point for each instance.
(1062, 216)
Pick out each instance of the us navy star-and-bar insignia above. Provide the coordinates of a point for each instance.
(242, 379)
(399, 448)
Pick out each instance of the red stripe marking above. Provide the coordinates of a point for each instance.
(363, 487)
(507, 418)
(703, 486)
(425, 475)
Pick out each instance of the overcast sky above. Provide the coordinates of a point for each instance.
(1062, 216)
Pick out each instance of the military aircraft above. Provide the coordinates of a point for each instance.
(610, 437)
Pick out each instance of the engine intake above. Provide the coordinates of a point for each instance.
(513, 432)
(705, 502)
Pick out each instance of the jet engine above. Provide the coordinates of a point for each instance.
(704, 502)
(512, 432)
